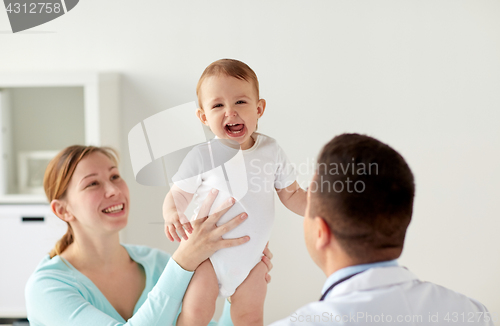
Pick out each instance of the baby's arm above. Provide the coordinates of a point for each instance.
(174, 206)
(294, 198)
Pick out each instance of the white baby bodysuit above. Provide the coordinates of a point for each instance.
(250, 176)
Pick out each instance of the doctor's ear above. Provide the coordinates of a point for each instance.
(59, 208)
(202, 116)
(323, 234)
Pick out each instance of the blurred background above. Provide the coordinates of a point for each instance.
(421, 76)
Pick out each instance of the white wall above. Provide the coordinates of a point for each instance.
(423, 76)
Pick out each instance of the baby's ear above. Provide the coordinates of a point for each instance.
(201, 115)
(261, 107)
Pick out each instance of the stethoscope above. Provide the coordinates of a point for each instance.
(337, 283)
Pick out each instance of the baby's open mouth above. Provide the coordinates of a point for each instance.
(113, 209)
(235, 128)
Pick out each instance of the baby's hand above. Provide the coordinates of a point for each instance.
(175, 224)
(174, 206)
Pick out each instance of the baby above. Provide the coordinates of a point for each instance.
(246, 167)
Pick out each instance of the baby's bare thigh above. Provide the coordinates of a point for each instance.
(203, 288)
(198, 305)
(252, 292)
(205, 272)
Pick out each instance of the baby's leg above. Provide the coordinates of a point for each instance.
(247, 302)
(198, 305)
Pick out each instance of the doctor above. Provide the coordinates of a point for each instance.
(359, 205)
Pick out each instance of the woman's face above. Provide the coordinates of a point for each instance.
(97, 197)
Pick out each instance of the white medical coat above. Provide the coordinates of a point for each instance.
(391, 296)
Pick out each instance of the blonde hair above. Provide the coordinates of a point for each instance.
(58, 175)
(231, 68)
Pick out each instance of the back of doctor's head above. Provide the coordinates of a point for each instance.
(364, 190)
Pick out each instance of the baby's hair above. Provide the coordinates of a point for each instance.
(228, 67)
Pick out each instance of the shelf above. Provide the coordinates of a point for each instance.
(23, 199)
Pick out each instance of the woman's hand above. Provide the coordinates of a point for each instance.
(206, 237)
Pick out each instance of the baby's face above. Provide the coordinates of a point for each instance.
(231, 108)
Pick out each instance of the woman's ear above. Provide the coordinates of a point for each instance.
(261, 107)
(59, 209)
(201, 115)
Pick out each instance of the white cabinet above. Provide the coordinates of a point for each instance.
(27, 234)
(42, 113)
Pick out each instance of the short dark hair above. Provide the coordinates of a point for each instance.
(364, 191)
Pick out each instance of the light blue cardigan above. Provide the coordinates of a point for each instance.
(59, 295)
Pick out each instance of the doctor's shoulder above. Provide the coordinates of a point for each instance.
(314, 313)
(451, 301)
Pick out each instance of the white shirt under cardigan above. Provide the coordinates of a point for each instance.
(250, 176)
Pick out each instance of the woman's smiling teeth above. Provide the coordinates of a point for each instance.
(113, 209)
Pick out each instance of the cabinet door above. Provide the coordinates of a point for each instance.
(27, 234)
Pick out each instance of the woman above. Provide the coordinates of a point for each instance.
(89, 278)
